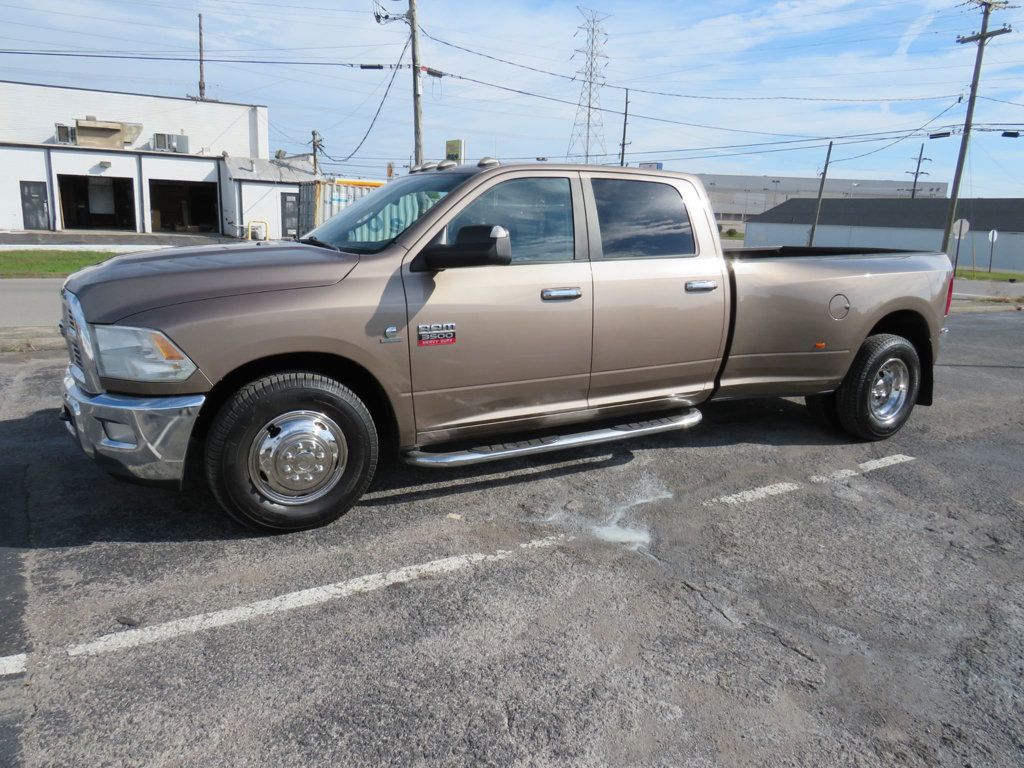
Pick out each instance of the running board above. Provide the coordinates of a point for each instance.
(480, 454)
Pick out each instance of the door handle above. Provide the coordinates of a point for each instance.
(700, 286)
(560, 294)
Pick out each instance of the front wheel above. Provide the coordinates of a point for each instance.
(291, 451)
(878, 394)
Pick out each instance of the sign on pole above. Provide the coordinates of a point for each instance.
(993, 235)
(960, 229)
(455, 149)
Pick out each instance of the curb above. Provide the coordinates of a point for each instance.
(30, 339)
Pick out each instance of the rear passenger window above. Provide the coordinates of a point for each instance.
(641, 219)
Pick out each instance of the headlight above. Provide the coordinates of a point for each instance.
(139, 354)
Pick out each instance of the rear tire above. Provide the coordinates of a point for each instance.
(291, 451)
(879, 391)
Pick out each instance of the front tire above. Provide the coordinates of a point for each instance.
(291, 451)
(879, 391)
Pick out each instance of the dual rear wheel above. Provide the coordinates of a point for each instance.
(879, 391)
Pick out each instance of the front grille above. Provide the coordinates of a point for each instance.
(77, 336)
(71, 331)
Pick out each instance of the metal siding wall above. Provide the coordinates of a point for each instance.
(18, 164)
(1009, 251)
(336, 197)
(262, 202)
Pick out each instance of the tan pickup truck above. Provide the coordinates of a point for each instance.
(469, 314)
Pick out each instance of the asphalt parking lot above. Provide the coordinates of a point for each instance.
(755, 592)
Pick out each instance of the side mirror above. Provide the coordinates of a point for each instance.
(476, 246)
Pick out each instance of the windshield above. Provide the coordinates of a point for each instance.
(372, 224)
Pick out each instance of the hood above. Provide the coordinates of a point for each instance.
(136, 282)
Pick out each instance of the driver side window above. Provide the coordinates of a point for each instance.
(536, 212)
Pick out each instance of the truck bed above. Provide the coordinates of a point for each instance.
(796, 251)
(800, 314)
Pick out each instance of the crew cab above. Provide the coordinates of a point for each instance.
(477, 313)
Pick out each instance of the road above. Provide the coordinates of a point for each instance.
(755, 592)
(30, 302)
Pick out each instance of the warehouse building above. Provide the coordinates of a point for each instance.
(737, 198)
(84, 159)
(915, 225)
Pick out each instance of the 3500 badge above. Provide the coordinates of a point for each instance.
(435, 334)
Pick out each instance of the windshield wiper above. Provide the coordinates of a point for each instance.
(318, 242)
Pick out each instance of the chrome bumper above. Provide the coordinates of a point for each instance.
(141, 438)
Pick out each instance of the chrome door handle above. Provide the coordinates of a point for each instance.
(560, 294)
(699, 286)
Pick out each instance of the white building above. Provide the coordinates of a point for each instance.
(914, 225)
(77, 158)
(736, 198)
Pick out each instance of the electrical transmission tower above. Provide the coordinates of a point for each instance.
(588, 129)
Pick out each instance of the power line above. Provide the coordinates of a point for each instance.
(901, 138)
(672, 94)
(143, 57)
(379, 106)
(521, 92)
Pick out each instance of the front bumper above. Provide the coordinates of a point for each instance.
(140, 438)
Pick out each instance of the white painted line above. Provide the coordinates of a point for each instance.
(887, 461)
(864, 467)
(755, 494)
(133, 638)
(13, 665)
(842, 474)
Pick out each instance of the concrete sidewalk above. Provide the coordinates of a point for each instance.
(972, 289)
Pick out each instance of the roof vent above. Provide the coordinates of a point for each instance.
(487, 162)
(428, 166)
(444, 165)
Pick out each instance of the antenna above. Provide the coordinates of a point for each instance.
(588, 128)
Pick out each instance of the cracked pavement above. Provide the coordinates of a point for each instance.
(862, 618)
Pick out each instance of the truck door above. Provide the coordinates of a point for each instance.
(511, 343)
(660, 290)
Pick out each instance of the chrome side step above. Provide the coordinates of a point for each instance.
(480, 454)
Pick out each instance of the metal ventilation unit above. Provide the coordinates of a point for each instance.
(65, 134)
(170, 142)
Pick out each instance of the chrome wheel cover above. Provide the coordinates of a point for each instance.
(298, 457)
(888, 394)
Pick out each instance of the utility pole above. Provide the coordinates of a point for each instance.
(981, 39)
(821, 193)
(625, 120)
(417, 84)
(917, 172)
(202, 73)
(317, 145)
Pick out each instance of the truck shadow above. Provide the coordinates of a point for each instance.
(56, 497)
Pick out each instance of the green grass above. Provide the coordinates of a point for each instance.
(737, 236)
(965, 273)
(40, 263)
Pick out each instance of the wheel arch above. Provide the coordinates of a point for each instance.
(342, 369)
(912, 325)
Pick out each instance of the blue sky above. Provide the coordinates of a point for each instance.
(876, 51)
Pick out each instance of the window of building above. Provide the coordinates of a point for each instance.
(642, 219)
